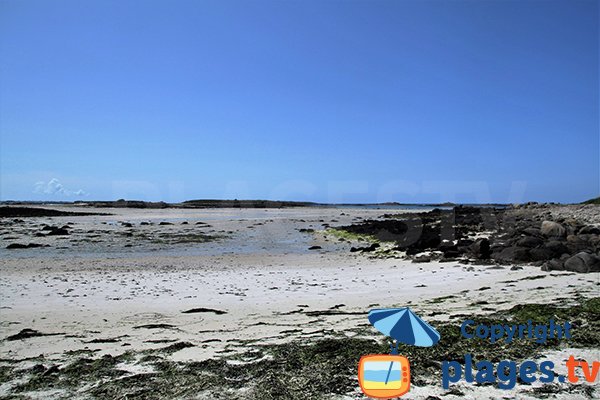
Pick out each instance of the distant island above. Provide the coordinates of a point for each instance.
(13, 208)
(228, 203)
(235, 203)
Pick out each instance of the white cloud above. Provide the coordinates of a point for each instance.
(54, 187)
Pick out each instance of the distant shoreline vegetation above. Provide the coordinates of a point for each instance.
(235, 203)
(213, 203)
(592, 201)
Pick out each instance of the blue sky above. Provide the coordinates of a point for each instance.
(333, 101)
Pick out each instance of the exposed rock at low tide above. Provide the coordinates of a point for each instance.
(583, 262)
(513, 235)
(54, 231)
(366, 249)
(13, 246)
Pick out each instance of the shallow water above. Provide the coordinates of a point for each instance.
(229, 231)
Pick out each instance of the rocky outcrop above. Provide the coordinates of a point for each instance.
(514, 236)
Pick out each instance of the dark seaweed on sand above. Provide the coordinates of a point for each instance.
(22, 212)
(307, 369)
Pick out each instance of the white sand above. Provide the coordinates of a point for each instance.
(99, 299)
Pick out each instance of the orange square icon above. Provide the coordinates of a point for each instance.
(384, 376)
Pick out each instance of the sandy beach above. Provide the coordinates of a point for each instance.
(249, 281)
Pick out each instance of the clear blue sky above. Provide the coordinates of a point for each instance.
(356, 101)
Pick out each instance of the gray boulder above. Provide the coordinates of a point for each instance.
(583, 262)
(481, 248)
(510, 254)
(532, 231)
(557, 248)
(553, 265)
(542, 254)
(553, 229)
(578, 243)
(530, 241)
(589, 230)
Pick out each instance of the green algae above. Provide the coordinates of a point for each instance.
(349, 236)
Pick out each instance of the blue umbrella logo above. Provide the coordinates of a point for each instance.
(403, 326)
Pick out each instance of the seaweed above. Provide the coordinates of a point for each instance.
(310, 368)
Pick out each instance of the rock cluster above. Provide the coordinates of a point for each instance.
(55, 230)
(486, 234)
(566, 245)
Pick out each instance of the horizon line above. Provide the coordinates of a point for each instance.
(303, 203)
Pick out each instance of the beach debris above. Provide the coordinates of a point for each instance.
(371, 247)
(55, 231)
(106, 340)
(319, 313)
(160, 341)
(29, 333)
(175, 347)
(25, 246)
(54, 369)
(155, 326)
(204, 310)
